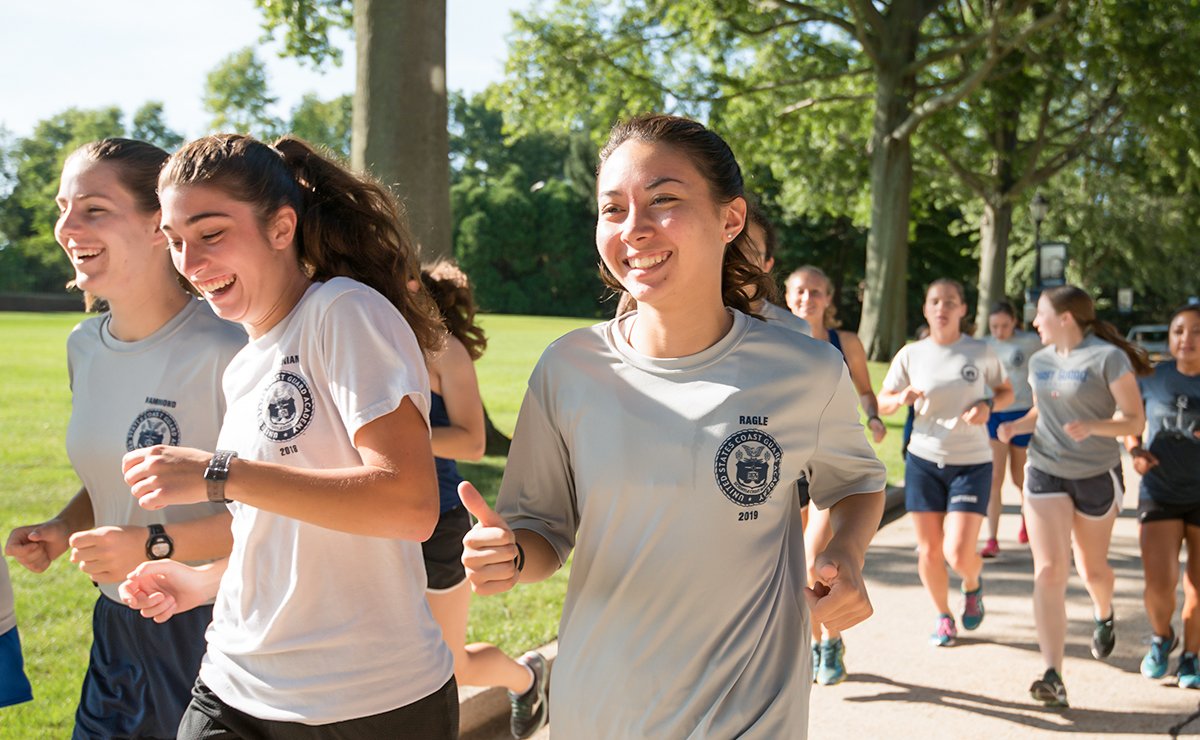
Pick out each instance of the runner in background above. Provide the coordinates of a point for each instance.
(1014, 347)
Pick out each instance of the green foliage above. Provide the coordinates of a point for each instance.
(149, 125)
(30, 259)
(306, 25)
(324, 122)
(236, 94)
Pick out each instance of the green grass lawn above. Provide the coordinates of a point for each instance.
(54, 608)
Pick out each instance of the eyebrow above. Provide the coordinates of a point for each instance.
(199, 217)
(656, 182)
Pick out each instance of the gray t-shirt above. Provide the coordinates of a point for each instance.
(953, 377)
(8, 613)
(785, 318)
(164, 389)
(1014, 354)
(671, 480)
(1069, 388)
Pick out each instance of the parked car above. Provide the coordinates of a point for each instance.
(1152, 338)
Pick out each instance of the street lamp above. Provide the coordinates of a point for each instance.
(1038, 208)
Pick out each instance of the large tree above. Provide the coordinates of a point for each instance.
(584, 62)
(400, 103)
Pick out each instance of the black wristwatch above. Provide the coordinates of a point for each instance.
(217, 473)
(159, 545)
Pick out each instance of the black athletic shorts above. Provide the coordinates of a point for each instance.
(802, 491)
(433, 718)
(444, 549)
(1093, 497)
(1150, 510)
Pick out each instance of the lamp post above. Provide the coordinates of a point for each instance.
(1038, 208)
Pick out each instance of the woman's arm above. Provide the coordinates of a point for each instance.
(839, 598)
(108, 553)
(891, 401)
(392, 494)
(1025, 425)
(856, 360)
(160, 589)
(1129, 419)
(35, 546)
(465, 438)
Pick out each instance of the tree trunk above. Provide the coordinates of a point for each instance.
(882, 329)
(400, 111)
(994, 232)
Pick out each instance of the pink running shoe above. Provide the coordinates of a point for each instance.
(1023, 536)
(990, 549)
(945, 633)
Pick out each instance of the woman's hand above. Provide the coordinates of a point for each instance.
(1005, 433)
(161, 476)
(490, 548)
(1143, 460)
(1078, 430)
(108, 553)
(35, 546)
(838, 599)
(160, 589)
(878, 429)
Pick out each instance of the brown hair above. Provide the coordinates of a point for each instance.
(757, 216)
(1074, 300)
(1005, 307)
(137, 164)
(741, 278)
(348, 224)
(451, 291)
(829, 320)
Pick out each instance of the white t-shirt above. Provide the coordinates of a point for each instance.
(953, 377)
(1014, 354)
(672, 481)
(313, 625)
(164, 389)
(785, 318)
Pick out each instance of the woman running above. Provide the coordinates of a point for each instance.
(810, 296)
(146, 371)
(955, 382)
(1014, 347)
(659, 447)
(458, 432)
(321, 628)
(1169, 500)
(1073, 485)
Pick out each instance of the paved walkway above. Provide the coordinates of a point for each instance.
(901, 687)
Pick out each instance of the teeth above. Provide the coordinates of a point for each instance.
(214, 285)
(83, 253)
(641, 263)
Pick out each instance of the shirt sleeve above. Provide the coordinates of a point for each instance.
(1116, 364)
(538, 489)
(844, 463)
(897, 375)
(372, 359)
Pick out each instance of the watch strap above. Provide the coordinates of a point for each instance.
(217, 473)
(157, 534)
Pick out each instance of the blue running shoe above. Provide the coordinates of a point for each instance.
(946, 633)
(972, 615)
(1188, 671)
(833, 667)
(816, 651)
(1154, 665)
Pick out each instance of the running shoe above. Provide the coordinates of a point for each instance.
(1188, 671)
(991, 548)
(816, 651)
(1023, 535)
(833, 665)
(946, 634)
(1049, 689)
(529, 709)
(1104, 637)
(972, 615)
(1154, 665)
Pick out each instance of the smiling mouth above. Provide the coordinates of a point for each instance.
(215, 287)
(79, 256)
(643, 263)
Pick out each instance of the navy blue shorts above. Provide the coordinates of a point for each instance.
(14, 686)
(945, 488)
(999, 417)
(140, 674)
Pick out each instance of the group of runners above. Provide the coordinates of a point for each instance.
(257, 469)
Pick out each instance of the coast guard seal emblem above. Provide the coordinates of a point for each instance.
(970, 373)
(152, 427)
(747, 466)
(286, 407)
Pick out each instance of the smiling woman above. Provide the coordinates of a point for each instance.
(662, 448)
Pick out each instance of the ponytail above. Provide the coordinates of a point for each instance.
(348, 224)
(451, 292)
(1137, 356)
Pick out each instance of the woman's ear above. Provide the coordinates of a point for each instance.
(157, 237)
(735, 216)
(281, 229)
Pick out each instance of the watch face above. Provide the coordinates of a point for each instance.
(160, 549)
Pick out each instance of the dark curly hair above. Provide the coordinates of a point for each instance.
(451, 291)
